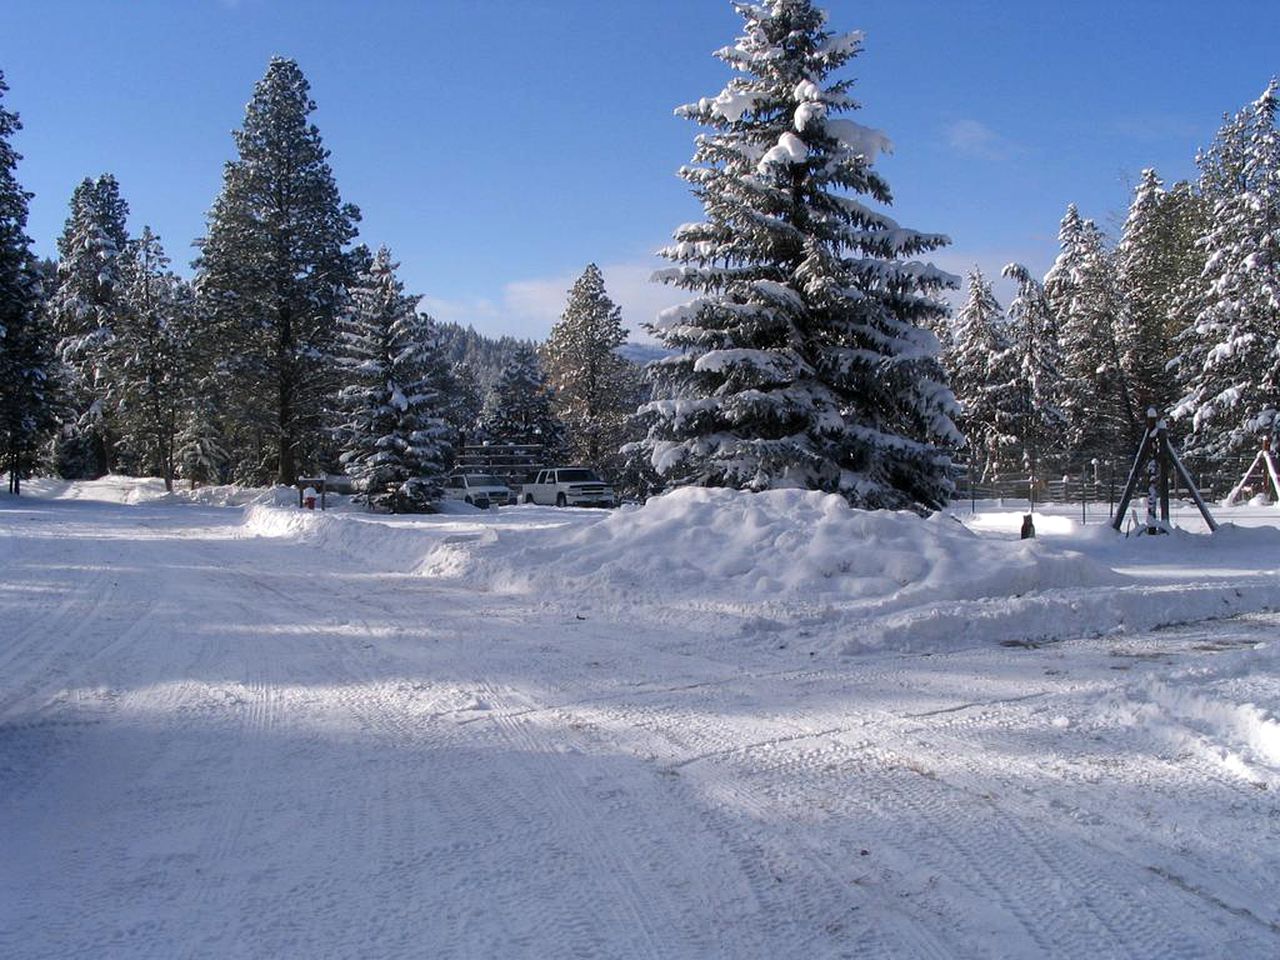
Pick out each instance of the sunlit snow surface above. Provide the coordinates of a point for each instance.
(718, 726)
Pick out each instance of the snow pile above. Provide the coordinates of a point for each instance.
(231, 495)
(779, 545)
(803, 564)
(117, 488)
(367, 542)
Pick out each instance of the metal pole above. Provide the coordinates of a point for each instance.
(1162, 433)
(1111, 490)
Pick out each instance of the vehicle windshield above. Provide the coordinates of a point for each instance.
(483, 480)
(577, 476)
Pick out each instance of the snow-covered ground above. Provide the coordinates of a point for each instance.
(718, 726)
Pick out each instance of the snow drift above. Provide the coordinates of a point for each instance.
(780, 563)
(766, 547)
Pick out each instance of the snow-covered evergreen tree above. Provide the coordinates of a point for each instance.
(519, 408)
(201, 451)
(982, 367)
(1080, 289)
(1230, 360)
(1155, 258)
(85, 309)
(805, 358)
(27, 410)
(486, 357)
(271, 279)
(395, 440)
(150, 357)
(588, 377)
(466, 401)
(1040, 423)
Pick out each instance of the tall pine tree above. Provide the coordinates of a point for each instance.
(395, 440)
(982, 369)
(1155, 259)
(26, 361)
(271, 278)
(1080, 289)
(803, 360)
(1230, 360)
(85, 310)
(1040, 424)
(150, 357)
(593, 397)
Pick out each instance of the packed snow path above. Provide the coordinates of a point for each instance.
(215, 745)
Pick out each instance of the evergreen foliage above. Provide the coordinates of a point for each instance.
(271, 279)
(150, 358)
(85, 311)
(485, 357)
(589, 379)
(200, 448)
(466, 402)
(804, 359)
(519, 408)
(27, 400)
(1040, 423)
(982, 368)
(1230, 359)
(1081, 292)
(395, 440)
(1155, 258)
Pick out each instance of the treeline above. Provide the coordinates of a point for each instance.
(1181, 313)
(291, 351)
(806, 356)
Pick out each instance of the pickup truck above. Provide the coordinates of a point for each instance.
(478, 489)
(569, 487)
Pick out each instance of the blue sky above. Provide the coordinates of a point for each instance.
(497, 146)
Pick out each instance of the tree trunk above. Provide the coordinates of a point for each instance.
(286, 471)
(101, 462)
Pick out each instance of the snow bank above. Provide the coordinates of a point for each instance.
(117, 488)
(368, 542)
(766, 547)
(791, 561)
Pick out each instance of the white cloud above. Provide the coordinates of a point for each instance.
(528, 308)
(975, 139)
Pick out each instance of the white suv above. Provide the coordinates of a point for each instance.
(478, 489)
(570, 487)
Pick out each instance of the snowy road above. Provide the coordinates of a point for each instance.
(220, 745)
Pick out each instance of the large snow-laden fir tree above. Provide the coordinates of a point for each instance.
(84, 311)
(593, 392)
(1155, 258)
(395, 440)
(27, 411)
(271, 279)
(804, 360)
(1080, 289)
(1230, 360)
